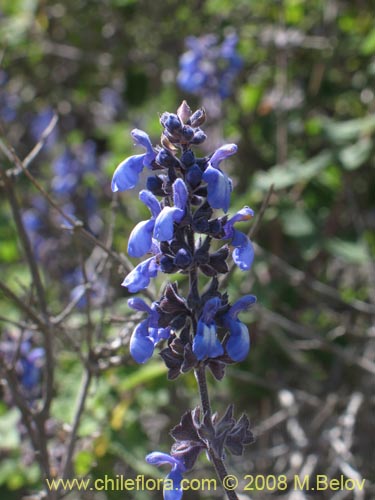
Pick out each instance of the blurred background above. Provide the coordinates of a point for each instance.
(292, 83)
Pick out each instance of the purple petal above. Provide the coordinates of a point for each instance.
(238, 344)
(243, 254)
(127, 173)
(36, 354)
(222, 153)
(219, 188)
(151, 202)
(140, 277)
(206, 344)
(140, 239)
(245, 213)
(142, 139)
(210, 309)
(175, 492)
(158, 458)
(241, 305)
(164, 222)
(139, 304)
(180, 194)
(141, 346)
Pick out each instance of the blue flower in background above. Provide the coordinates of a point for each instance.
(9, 101)
(172, 485)
(209, 67)
(147, 333)
(206, 343)
(127, 173)
(39, 123)
(238, 344)
(29, 361)
(71, 166)
(243, 253)
(30, 366)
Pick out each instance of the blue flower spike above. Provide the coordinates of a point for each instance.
(201, 329)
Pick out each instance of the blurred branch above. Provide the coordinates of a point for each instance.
(305, 332)
(76, 225)
(299, 277)
(40, 292)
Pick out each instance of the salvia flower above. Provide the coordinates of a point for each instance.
(164, 222)
(147, 333)
(243, 253)
(29, 361)
(219, 186)
(127, 173)
(140, 239)
(140, 277)
(172, 483)
(238, 344)
(206, 343)
(209, 67)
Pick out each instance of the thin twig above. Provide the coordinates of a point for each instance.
(80, 405)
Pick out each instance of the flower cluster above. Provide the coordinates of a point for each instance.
(73, 172)
(189, 232)
(28, 361)
(209, 67)
(177, 238)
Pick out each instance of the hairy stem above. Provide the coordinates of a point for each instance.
(221, 471)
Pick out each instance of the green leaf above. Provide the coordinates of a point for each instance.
(368, 44)
(10, 438)
(283, 176)
(356, 155)
(349, 130)
(353, 252)
(249, 97)
(142, 375)
(296, 223)
(82, 462)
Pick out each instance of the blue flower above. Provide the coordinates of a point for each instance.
(219, 186)
(140, 239)
(29, 362)
(147, 333)
(209, 68)
(39, 123)
(140, 277)
(30, 366)
(172, 483)
(164, 222)
(206, 344)
(127, 173)
(243, 253)
(238, 344)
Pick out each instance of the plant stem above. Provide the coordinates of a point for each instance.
(221, 471)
